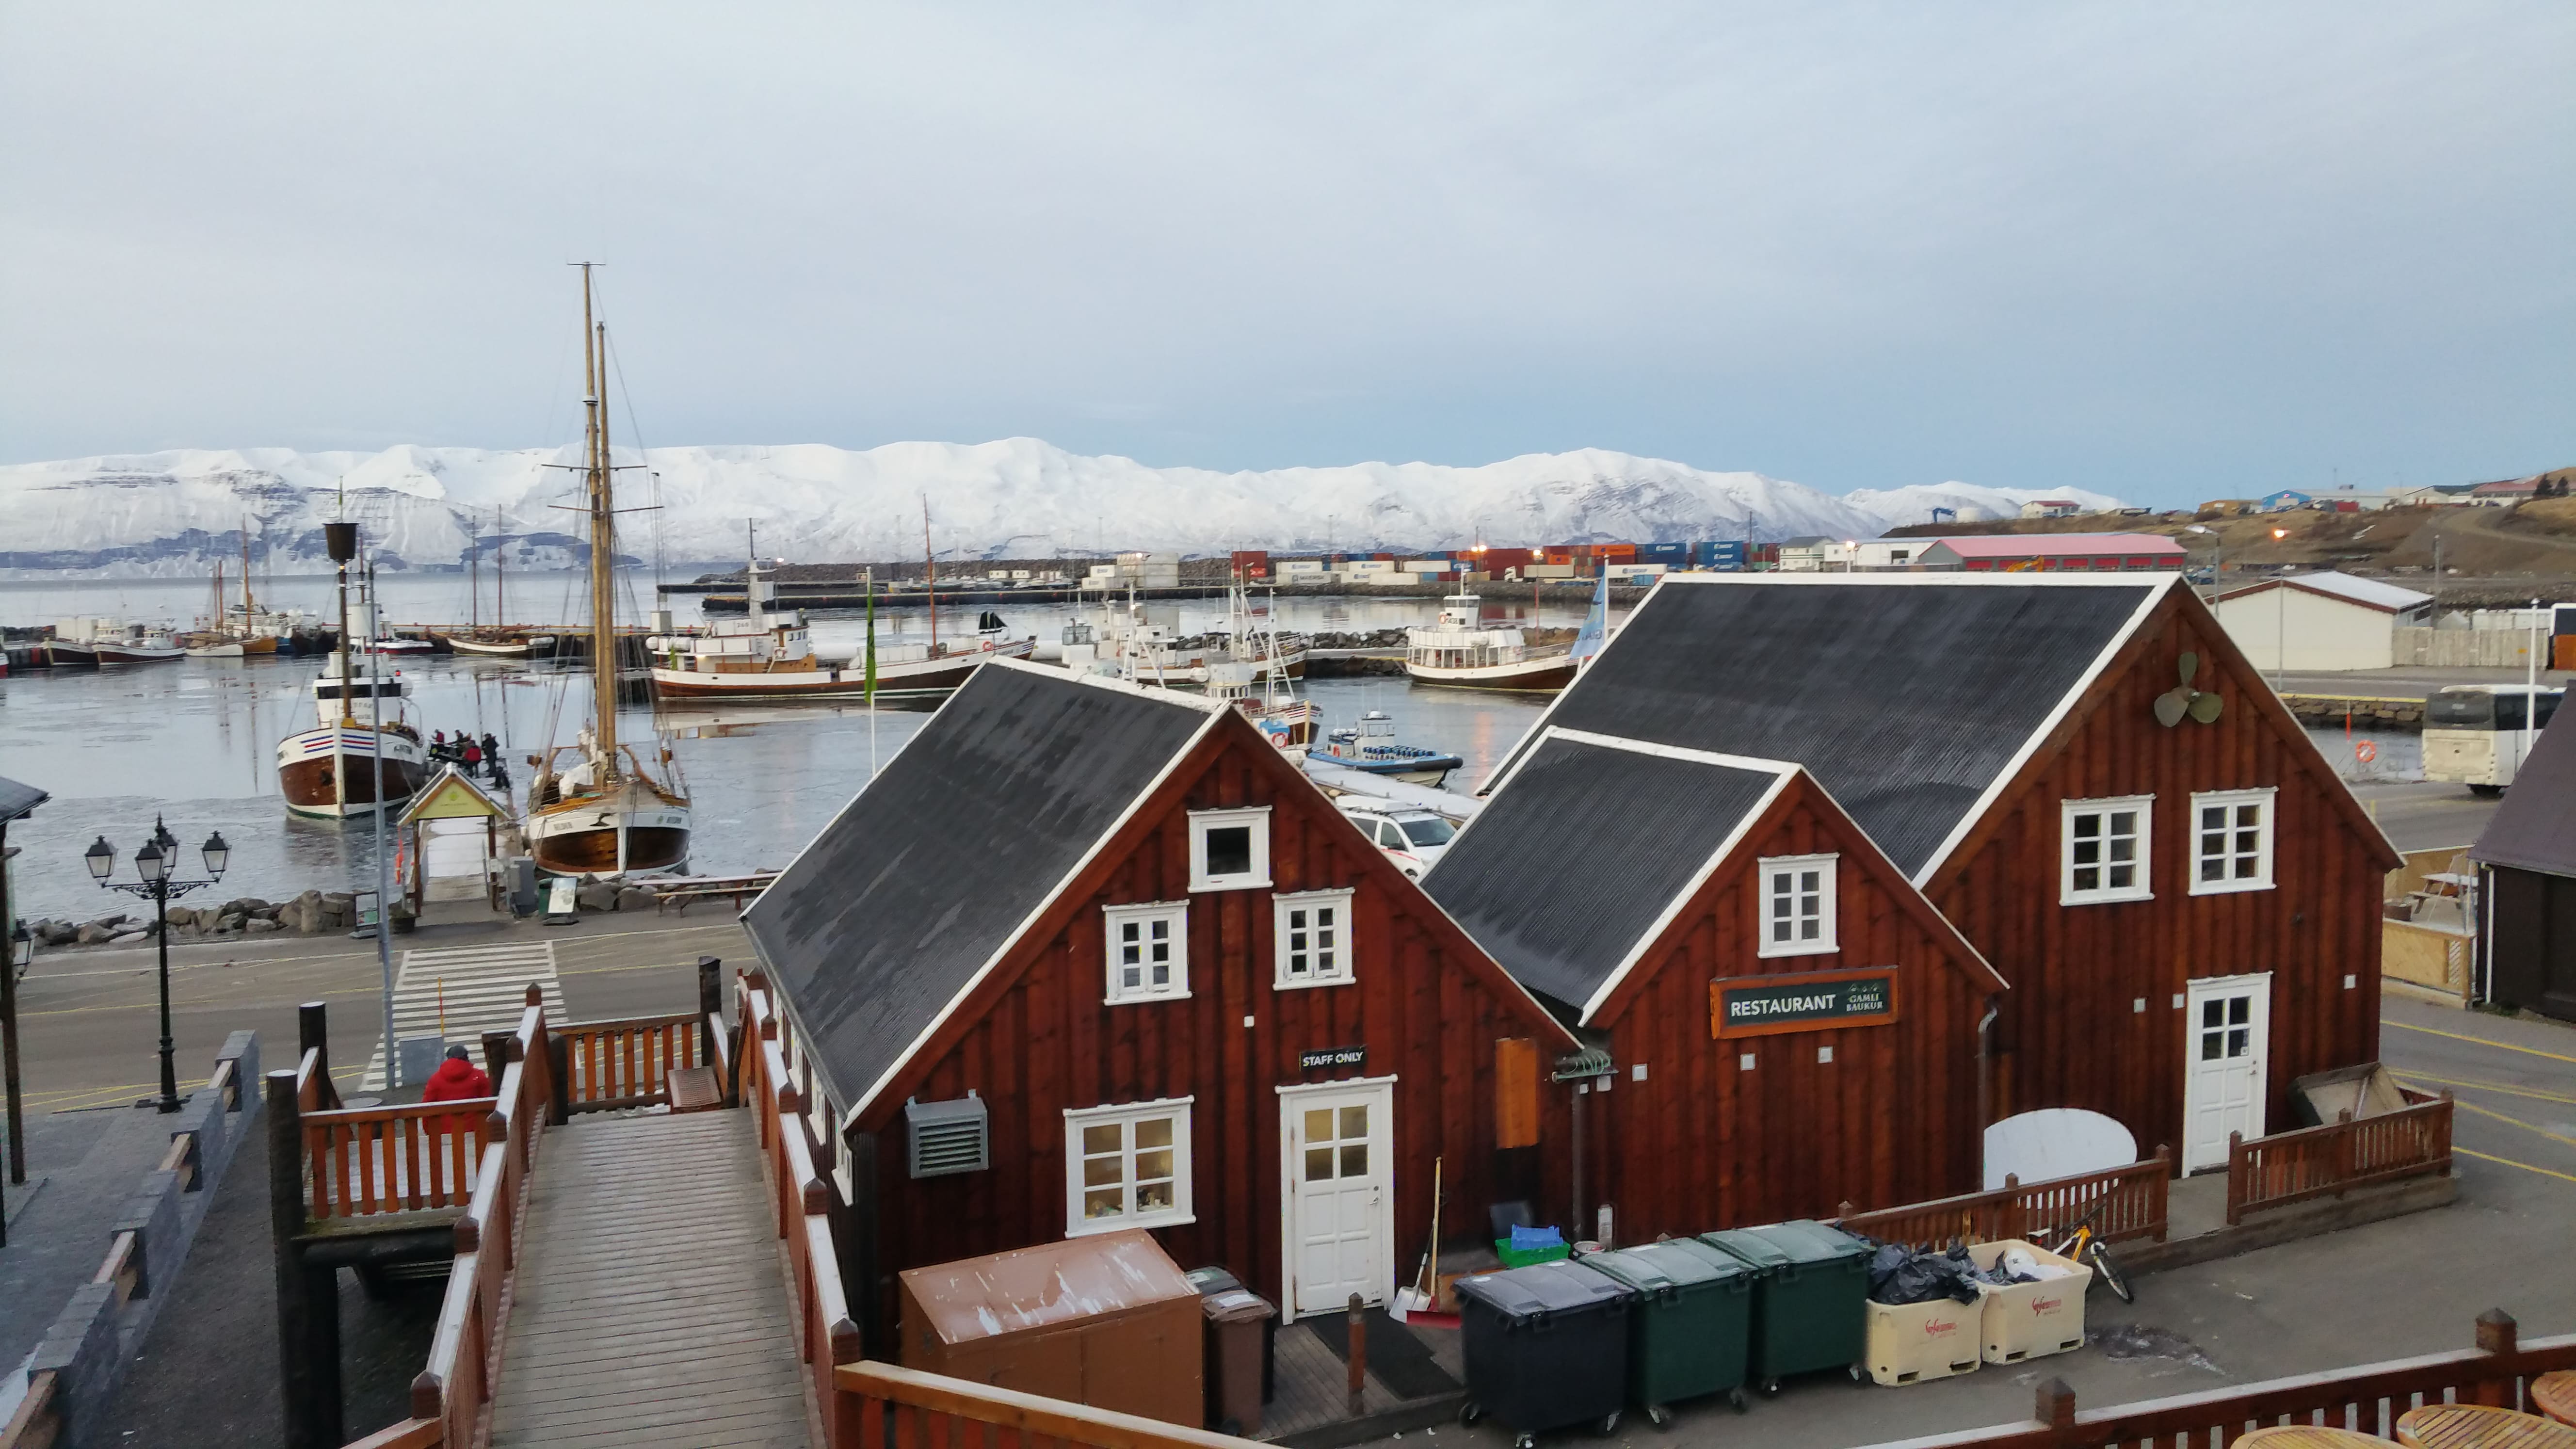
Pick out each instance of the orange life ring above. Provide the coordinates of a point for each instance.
(2365, 751)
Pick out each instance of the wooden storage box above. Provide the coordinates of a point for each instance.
(1107, 1321)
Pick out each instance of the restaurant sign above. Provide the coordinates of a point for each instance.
(1807, 1001)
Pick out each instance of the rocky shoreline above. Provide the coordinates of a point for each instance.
(310, 914)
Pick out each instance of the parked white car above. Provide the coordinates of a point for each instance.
(1411, 837)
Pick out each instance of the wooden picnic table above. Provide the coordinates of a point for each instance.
(2555, 1395)
(2306, 1436)
(2476, 1426)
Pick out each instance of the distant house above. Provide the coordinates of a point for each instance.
(1887, 553)
(2228, 507)
(2417, 496)
(2054, 553)
(2504, 491)
(2051, 508)
(2324, 622)
(2526, 859)
(1812, 554)
(2283, 501)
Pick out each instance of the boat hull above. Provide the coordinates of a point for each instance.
(139, 653)
(929, 676)
(1529, 674)
(266, 644)
(572, 841)
(330, 773)
(502, 648)
(1427, 771)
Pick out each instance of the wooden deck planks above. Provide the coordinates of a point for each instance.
(649, 1308)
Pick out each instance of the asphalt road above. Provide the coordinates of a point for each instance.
(89, 1020)
(2424, 815)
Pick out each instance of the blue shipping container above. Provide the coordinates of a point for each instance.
(1724, 556)
(1661, 551)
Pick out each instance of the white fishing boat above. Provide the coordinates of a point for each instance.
(1463, 651)
(113, 641)
(238, 632)
(361, 736)
(597, 807)
(496, 640)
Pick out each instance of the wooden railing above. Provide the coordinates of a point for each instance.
(2366, 1399)
(827, 1336)
(2289, 1167)
(605, 1065)
(451, 1397)
(366, 1160)
(2132, 1200)
(880, 1406)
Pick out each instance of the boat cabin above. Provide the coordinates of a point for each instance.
(1086, 956)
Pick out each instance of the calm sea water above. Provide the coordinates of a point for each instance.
(194, 741)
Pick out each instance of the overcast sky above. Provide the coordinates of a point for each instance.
(2162, 250)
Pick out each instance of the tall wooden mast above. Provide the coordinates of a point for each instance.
(603, 541)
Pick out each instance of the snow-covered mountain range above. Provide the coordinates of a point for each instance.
(170, 513)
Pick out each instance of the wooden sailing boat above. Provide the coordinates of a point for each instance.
(501, 640)
(330, 770)
(596, 807)
(230, 636)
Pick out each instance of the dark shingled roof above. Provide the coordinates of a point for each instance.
(914, 886)
(17, 799)
(1905, 700)
(1576, 858)
(2535, 827)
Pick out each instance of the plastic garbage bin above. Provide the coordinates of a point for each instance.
(1242, 1361)
(1808, 1301)
(1690, 1326)
(2032, 1320)
(1912, 1343)
(1546, 1346)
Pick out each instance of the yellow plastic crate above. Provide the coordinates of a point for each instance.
(2032, 1320)
(1912, 1343)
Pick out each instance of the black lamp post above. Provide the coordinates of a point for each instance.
(152, 863)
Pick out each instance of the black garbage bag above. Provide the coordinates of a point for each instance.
(1898, 1274)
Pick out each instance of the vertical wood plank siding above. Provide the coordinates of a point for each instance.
(1043, 1040)
(1703, 1144)
(2071, 1034)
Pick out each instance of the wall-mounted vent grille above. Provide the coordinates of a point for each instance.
(948, 1137)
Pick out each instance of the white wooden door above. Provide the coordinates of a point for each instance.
(1340, 1206)
(2226, 1044)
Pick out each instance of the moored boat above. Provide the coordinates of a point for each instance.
(332, 771)
(143, 644)
(1461, 650)
(1371, 748)
(496, 640)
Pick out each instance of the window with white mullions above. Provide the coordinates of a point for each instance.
(1798, 905)
(2226, 1028)
(2231, 841)
(1311, 931)
(1149, 951)
(1127, 1167)
(2104, 848)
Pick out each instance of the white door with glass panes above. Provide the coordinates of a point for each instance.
(2225, 1043)
(1340, 1205)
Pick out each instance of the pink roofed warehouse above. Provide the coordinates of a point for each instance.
(2054, 553)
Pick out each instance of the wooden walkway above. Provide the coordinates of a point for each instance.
(650, 1308)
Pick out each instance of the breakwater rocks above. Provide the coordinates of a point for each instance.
(2315, 710)
(309, 914)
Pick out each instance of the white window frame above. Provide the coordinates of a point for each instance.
(2144, 887)
(1142, 913)
(1339, 902)
(2268, 832)
(1126, 1116)
(1773, 868)
(1203, 821)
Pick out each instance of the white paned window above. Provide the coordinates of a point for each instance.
(1311, 938)
(1149, 951)
(1229, 849)
(1127, 1167)
(1798, 905)
(2104, 847)
(2231, 841)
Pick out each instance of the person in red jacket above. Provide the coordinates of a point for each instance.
(456, 1080)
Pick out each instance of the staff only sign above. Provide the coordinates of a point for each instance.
(1806, 1001)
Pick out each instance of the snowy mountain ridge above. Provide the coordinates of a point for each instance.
(171, 513)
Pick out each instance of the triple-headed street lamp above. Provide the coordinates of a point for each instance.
(153, 863)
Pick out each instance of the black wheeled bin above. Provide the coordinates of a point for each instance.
(1690, 1326)
(1547, 1346)
(1808, 1299)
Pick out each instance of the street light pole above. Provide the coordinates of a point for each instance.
(152, 863)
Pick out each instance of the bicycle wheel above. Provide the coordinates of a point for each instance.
(2110, 1271)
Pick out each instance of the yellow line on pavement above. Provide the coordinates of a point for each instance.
(2411, 1077)
(2516, 1121)
(2509, 1162)
(2480, 1040)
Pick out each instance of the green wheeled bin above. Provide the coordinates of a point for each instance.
(1546, 1346)
(1690, 1326)
(1808, 1298)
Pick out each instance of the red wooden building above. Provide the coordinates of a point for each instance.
(1788, 1020)
(2087, 779)
(1085, 956)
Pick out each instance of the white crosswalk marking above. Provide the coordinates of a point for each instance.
(464, 991)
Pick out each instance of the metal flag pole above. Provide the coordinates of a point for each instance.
(868, 582)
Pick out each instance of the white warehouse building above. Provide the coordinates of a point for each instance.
(2321, 622)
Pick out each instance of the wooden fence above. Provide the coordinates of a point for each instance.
(880, 1406)
(2366, 1399)
(2290, 1167)
(367, 1160)
(2131, 1198)
(827, 1336)
(601, 1066)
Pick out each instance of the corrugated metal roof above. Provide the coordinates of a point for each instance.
(2372, 592)
(1575, 860)
(1906, 696)
(17, 799)
(968, 831)
(2535, 827)
(2055, 545)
